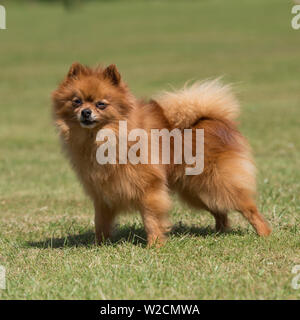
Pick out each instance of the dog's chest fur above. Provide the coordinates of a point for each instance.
(113, 183)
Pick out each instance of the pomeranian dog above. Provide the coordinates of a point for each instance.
(90, 99)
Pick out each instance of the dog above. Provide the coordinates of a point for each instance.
(92, 99)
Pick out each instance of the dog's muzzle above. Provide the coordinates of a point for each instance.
(86, 119)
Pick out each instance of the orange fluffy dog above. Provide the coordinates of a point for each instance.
(91, 99)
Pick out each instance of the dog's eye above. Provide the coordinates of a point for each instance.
(101, 105)
(76, 102)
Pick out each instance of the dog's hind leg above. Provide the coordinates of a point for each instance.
(221, 216)
(240, 200)
(222, 221)
(249, 210)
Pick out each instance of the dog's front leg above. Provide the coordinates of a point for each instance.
(104, 218)
(156, 205)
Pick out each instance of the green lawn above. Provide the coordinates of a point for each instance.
(46, 222)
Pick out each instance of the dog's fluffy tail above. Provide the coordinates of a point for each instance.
(209, 99)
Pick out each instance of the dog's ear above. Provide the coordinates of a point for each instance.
(76, 69)
(112, 73)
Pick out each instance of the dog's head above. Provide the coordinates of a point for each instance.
(91, 98)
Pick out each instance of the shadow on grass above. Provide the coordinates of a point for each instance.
(132, 234)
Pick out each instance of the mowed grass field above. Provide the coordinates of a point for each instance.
(46, 221)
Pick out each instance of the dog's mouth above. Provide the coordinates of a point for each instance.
(88, 123)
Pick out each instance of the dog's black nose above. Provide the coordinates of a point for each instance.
(86, 113)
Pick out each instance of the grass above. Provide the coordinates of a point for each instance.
(46, 222)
